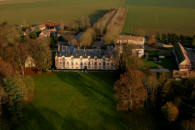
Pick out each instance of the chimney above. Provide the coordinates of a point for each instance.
(59, 47)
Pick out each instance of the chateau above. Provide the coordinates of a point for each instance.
(69, 57)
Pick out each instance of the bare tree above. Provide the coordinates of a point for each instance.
(115, 27)
(87, 37)
(41, 53)
(130, 91)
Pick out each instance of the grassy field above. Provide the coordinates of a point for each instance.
(152, 16)
(34, 11)
(79, 101)
(144, 16)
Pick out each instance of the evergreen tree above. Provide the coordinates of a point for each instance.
(14, 96)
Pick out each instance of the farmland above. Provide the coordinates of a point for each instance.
(144, 16)
(151, 16)
(34, 11)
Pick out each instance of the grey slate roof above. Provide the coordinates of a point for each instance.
(72, 51)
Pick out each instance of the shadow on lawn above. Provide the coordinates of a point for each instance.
(86, 84)
(47, 119)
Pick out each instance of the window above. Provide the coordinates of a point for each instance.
(100, 64)
(95, 63)
(108, 63)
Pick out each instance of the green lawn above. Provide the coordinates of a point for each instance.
(152, 16)
(79, 101)
(168, 62)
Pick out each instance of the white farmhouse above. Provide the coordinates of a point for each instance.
(136, 41)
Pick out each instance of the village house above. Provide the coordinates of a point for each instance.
(69, 57)
(183, 61)
(48, 28)
(29, 63)
(137, 43)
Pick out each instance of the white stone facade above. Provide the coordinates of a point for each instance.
(88, 63)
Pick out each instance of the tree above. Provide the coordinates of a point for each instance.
(151, 84)
(164, 76)
(16, 55)
(84, 23)
(15, 98)
(12, 49)
(9, 34)
(188, 124)
(14, 89)
(130, 91)
(193, 43)
(87, 37)
(26, 85)
(4, 23)
(71, 38)
(152, 40)
(53, 40)
(101, 24)
(41, 53)
(115, 26)
(127, 60)
(170, 111)
(5, 70)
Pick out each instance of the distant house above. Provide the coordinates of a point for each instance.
(29, 63)
(183, 61)
(69, 57)
(45, 33)
(52, 26)
(136, 41)
(42, 27)
(48, 28)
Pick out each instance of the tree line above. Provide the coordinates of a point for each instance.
(138, 89)
(15, 88)
(169, 38)
(15, 91)
(15, 49)
(109, 26)
(115, 26)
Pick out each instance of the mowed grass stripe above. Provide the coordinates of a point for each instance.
(73, 101)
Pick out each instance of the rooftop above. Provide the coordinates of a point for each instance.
(75, 52)
(181, 53)
(130, 37)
